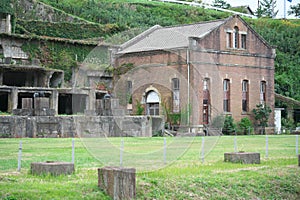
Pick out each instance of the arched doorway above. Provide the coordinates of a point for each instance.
(152, 102)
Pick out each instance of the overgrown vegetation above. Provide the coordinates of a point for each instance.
(66, 30)
(57, 55)
(285, 36)
(132, 14)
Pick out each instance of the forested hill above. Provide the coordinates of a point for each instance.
(113, 17)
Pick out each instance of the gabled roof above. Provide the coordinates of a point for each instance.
(163, 38)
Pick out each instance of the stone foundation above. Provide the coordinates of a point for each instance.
(52, 167)
(242, 157)
(75, 126)
(118, 183)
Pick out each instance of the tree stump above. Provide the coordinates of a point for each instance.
(242, 157)
(118, 183)
(52, 167)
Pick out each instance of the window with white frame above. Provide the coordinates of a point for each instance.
(245, 95)
(176, 95)
(236, 38)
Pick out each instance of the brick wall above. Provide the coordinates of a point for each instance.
(212, 59)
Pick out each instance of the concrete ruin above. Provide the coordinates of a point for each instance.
(36, 103)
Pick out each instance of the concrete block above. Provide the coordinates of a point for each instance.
(118, 183)
(242, 157)
(26, 103)
(41, 103)
(52, 167)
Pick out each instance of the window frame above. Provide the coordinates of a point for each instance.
(226, 95)
(236, 38)
(245, 96)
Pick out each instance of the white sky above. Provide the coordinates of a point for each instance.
(253, 5)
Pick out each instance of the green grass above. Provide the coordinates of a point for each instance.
(277, 177)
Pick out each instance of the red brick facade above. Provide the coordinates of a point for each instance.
(232, 51)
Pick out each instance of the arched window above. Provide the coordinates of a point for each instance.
(152, 101)
(236, 37)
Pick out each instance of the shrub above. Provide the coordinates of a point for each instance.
(244, 126)
(229, 126)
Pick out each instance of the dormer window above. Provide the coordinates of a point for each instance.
(243, 41)
(229, 39)
(236, 39)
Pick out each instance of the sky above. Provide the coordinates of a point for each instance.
(253, 5)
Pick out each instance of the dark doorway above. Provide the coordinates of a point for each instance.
(14, 79)
(65, 104)
(70, 104)
(297, 115)
(3, 102)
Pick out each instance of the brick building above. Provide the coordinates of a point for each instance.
(204, 70)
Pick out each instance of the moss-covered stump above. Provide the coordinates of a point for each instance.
(52, 167)
(119, 183)
(242, 157)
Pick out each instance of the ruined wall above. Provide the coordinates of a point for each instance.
(75, 126)
(12, 49)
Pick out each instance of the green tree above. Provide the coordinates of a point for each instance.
(221, 4)
(261, 115)
(295, 10)
(229, 126)
(5, 7)
(244, 125)
(266, 8)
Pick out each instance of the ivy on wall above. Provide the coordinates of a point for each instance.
(5, 7)
(66, 30)
(57, 55)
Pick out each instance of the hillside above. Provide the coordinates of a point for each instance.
(109, 19)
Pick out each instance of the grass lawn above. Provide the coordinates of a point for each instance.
(185, 175)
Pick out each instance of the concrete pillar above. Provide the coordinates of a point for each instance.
(8, 24)
(41, 103)
(91, 100)
(14, 98)
(54, 101)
